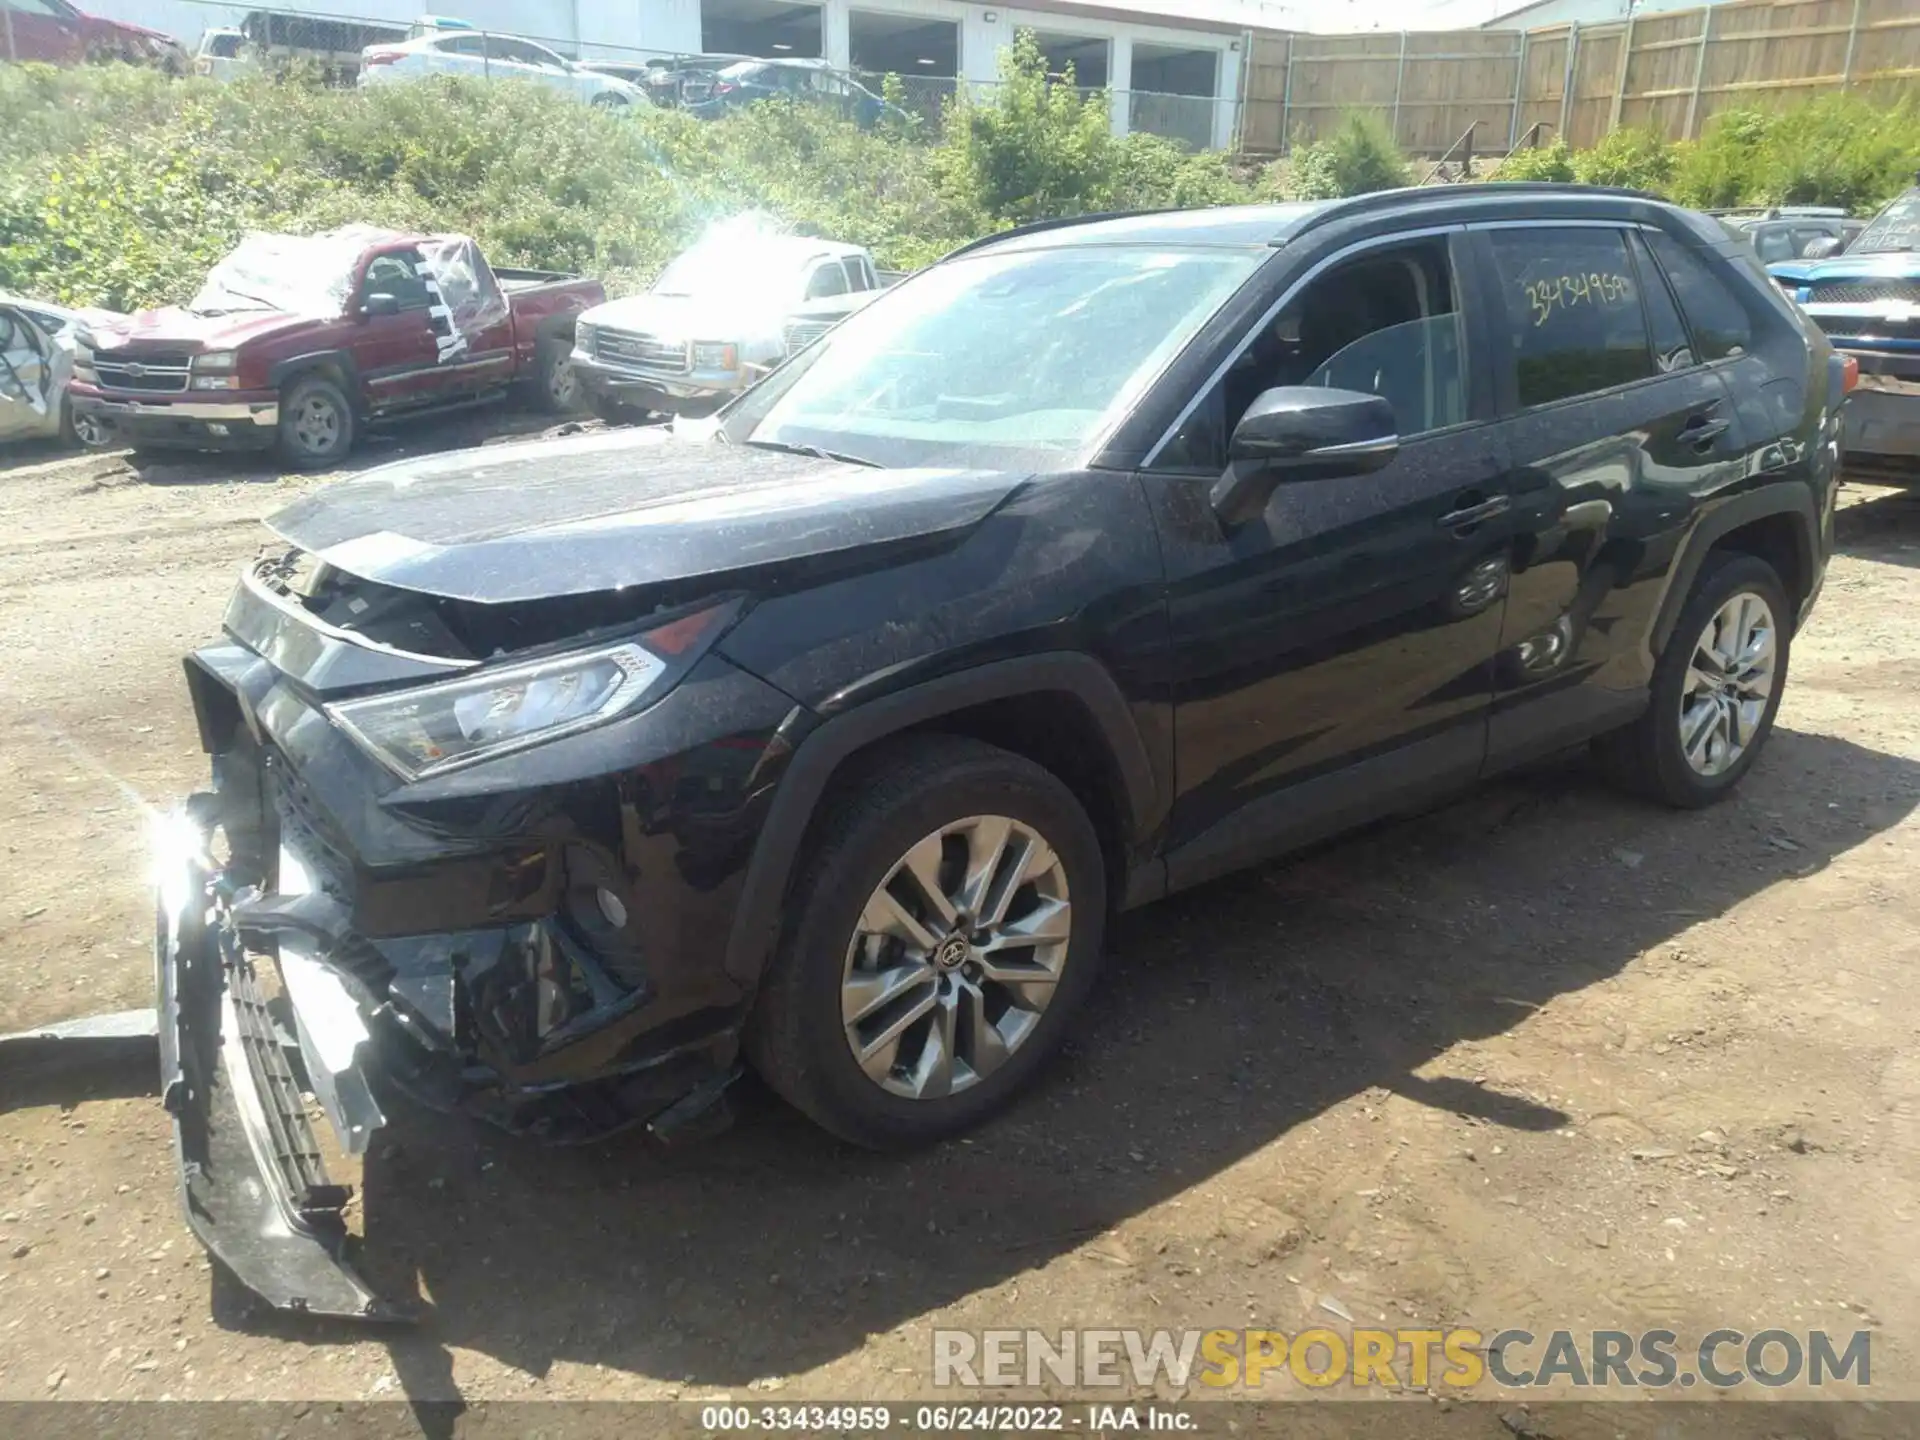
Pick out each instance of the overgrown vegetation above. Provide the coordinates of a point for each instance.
(1843, 149)
(120, 187)
(1357, 158)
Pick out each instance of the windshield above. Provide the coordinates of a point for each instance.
(301, 274)
(1035, 351)
(1895, 228)
(730, 268)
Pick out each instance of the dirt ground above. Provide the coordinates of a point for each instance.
(1547, 1057)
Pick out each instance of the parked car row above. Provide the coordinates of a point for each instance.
(484, 55)
(55, 32)
(302, 344)
(1867, 301)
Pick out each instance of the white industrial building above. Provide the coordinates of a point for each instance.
(1172, 66)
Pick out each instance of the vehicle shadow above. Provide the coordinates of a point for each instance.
(1225, 1018)
(460, 430)
(1881, 523)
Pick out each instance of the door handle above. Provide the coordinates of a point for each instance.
(1702, 431)
(1473, 514)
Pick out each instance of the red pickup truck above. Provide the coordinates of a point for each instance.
(303, 342)
(59, 34)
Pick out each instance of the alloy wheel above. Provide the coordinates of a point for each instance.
(1729, 684)
(88, 430)
(956, 954)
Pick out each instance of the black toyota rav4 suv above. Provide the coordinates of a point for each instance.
(556, 781)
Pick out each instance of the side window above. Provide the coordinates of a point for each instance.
(511, 51)
(1672, 350)
(828, 279)
(856, 270)
(1385, 323)
(1774, 242)
(1720, 322)
(397, 274)
(462, 45)
(1573, 311)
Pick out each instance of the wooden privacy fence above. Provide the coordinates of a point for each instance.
(1671, 71)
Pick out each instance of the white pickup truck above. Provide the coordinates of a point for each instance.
(719, 317)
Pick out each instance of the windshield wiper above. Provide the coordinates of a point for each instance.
(787, 447)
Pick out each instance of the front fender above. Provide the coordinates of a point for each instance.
(833, 741)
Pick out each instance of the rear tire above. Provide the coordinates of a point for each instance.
(980, 1009)
(1706, 721)
(83, 432)
(316, 423)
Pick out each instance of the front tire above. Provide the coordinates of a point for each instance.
(1716, 688)
(949, 921)
(316, 423)
(556, 385)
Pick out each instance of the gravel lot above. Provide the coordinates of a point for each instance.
(1546, 1057)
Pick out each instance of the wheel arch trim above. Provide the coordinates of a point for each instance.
(1734, 514)
(822, 751)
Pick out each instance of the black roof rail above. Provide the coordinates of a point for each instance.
(1392, 199)
(1061, 222)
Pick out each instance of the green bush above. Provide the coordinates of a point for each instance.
(1359, 157)
(1040, 149)
(1552, 162)
(1631, 158)
(120, 187)
(1843, 149)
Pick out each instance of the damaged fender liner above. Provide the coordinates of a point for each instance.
(251, 1179)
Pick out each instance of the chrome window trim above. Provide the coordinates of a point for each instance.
(1254, 331)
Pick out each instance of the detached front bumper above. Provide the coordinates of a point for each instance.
(250, 423)
(252, 1181)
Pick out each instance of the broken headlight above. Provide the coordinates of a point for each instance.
(453, 723)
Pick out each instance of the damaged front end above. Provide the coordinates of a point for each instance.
(534, 938)
(252, 1180)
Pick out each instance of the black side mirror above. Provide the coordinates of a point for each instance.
(1823, 248)
(381, 303)
(1301, 432)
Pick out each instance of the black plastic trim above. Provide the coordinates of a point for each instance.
(1715, 526)
(763, 893)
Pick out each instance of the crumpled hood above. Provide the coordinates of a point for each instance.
(601, 512)
(183, 330)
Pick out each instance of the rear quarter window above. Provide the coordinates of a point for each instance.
(1719, 318)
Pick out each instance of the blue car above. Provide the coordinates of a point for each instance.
(1868, 302)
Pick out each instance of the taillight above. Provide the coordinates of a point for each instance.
(1849, 374)
(381, 57)
(723, 87)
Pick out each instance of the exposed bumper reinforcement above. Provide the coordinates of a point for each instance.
(255, 1190)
